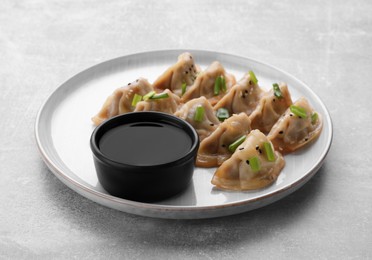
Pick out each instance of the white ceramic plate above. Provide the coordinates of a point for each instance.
(63, 129)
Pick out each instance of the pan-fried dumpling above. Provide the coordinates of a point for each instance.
(242, 97)
(199, 113)
(167, 104)
(120, 101)
(204, 84)
(183, 72)
(214, 149)
(270, 108)
(250, 167)
(298, 126)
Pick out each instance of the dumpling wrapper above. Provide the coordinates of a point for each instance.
(184, 71)
(120, 101)
(236, 174)
(167, 105)
(209, 122)
(292, 132)
(242, 97)
(214, 149)
(204, 84)
(269, 109)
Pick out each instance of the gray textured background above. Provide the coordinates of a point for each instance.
(327, 44)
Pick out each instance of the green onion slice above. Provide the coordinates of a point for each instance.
(223, 84)
(314, 117)
(269, 152)
(217, 86)
(183, 88)
(254, 162)
(136, 98)
(253, 77)
(222, 114)
(149, 95)
(159, 96)
(234, 145)
(298, 111)
(277, 91)
(199, 113)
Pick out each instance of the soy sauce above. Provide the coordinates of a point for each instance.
(145, 144)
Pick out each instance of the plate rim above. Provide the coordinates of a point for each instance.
(84, 190)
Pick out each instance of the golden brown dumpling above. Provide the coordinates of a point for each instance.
(207, 123)
(205, 82)
(167, 105)
(249, 167)
(242, 97)
(214, 149)
(269, 109)
(183, 72)
(120, 101)
(291, 131)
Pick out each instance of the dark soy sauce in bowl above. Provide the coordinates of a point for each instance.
(144, 156)
(145, 143)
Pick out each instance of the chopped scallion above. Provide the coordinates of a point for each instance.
(160, 96)
(183, 88)
(136, 98)
(223, 84)
(253, 77)
(217, 86)
(199, 113)
(149, 95)
(222, 114)
(269, 152)
(314, 117)
(234, 145)
(298, 111)
(277, 91)
(254, 162)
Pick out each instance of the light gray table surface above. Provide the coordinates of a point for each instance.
(326, 44)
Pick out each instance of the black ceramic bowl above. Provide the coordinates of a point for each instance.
(147, 164)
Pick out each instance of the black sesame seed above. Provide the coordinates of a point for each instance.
(250, 82)
(281, 132)
(211, 124)
(306, 139)
(137, 80)
(223, 145)
(260, 151)
(129, 84)
(187, 72)
(241, 148)
(290, 115)
(274, 99)
(247, 161)
(257, 147)
(192, 65)
(246, 91)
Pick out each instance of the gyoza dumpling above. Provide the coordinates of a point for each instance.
(120, 101)
(199, 113)
(242, 97)
(166, 102)
(204, 84)
(270, 108)
(214, 149)
(253, 165)
(298, 126)
(183, 72)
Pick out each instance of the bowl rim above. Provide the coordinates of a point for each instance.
(151, 117)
